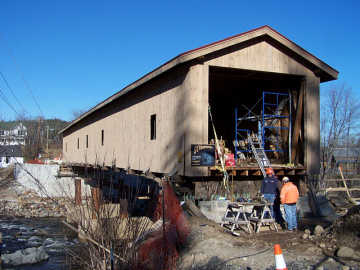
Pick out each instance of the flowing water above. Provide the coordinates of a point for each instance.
(21, 233)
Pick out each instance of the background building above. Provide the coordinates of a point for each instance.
(10, 155)
(12, 133)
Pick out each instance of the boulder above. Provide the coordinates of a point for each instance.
(305, 236)
(25, 256)
(48, 241)
(318, 230)
(303, 207)
(345, 252)
(35, 238)
(214, 210)
(325, 209)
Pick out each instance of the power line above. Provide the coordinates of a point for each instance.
(25, 82)
(32, 95)
(4, 98)
(12, 92)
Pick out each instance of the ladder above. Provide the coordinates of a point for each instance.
(259, 153)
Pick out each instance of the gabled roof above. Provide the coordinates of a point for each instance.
(11, 151)
(324, 71)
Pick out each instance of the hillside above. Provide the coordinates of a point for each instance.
(41, 135)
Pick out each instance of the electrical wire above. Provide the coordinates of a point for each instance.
(4, 98)
(12, 92)
(27, 85)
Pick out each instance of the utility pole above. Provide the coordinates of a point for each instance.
(47, 139)
(38, 139)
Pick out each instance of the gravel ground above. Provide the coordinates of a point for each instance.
(212, 247)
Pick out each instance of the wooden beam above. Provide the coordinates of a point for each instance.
(297, 125)
(330, 189)
(257, 173)
(291, 172)
(300, 172)
(337, 180)
(244, 173)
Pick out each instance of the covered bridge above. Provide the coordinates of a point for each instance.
(256, 83)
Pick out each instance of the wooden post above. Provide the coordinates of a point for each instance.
(0, 250)
(297, 126)
(346, 188)
(96, 197)
(77, 191)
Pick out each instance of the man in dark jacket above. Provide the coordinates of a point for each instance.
(270, 190)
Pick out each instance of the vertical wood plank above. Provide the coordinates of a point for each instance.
(96, 199)
(77, 191)
(297, 125)
(312, 124)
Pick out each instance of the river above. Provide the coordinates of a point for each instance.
(20, 233)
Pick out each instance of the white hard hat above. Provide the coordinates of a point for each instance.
(285, 179)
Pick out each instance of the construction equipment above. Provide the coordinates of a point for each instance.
(259, 153)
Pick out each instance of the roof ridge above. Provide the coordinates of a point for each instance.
(181, 58)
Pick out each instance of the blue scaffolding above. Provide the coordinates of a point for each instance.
(240, 133)
(270, 111)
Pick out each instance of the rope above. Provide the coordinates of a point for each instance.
(226, 176)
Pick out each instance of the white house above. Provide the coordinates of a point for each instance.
(10, 154)
(12, 134)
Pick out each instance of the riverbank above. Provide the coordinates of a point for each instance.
(24, 196)
(30, 205)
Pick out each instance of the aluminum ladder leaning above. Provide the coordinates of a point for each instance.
(259, 153)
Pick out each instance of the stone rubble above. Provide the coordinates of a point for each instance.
(318, 230)
(29, 205)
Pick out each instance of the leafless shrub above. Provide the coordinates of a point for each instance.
(339, 122)
(110, 230)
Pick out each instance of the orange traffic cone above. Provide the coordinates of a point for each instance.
(279, 258)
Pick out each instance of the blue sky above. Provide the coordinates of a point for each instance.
(74, 54)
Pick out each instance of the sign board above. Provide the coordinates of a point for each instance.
(203, 155)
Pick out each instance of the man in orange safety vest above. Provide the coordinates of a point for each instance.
(289, 195)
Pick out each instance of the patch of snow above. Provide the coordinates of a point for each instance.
(25, 256)
(34, 238)
(56, 244)
(48, 241)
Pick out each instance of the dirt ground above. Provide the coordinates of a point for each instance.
(213, 247)
(7, 183)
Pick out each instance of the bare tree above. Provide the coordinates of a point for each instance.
(33, 138)
(339, 121)
(76, 113)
